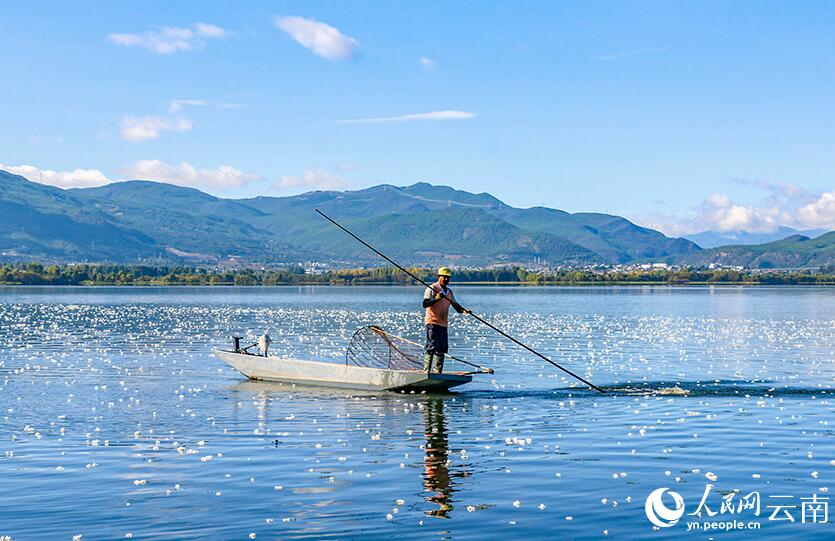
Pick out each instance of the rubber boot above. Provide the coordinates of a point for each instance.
(439, 362)
(427, 361)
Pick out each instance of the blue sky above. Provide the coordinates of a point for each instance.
(680, 115)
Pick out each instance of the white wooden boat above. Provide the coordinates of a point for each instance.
(285, 369)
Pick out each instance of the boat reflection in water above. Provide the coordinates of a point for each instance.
(438, 478)
(436, 465)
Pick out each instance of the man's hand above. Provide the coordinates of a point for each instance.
(460, 309)
(438, 297)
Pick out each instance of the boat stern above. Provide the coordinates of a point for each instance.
(436, 383)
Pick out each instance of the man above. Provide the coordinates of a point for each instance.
(437, 299)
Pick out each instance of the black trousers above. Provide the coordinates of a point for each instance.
(437, 339)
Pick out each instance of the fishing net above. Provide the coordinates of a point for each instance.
(375, 348)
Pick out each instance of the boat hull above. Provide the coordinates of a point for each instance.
(285, 369)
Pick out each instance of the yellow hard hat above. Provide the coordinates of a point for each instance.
(444, 271)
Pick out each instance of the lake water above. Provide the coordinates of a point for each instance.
(117, 422)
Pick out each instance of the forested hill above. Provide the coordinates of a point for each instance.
(421, 224)
(795, 251)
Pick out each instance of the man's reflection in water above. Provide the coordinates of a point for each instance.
(436, 475)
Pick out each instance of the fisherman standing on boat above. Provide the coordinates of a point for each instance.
(437, 299)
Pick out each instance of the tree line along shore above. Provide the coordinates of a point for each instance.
(138, 275)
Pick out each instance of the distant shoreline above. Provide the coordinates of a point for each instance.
(34, 274)
(391, 284)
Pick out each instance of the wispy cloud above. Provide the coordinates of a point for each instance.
(428, 64)
(177, 106)
(314, 179)
(143, 128)
(77, 178)
(209, 31)
(433, 115)
(632, 53)
(777, 192)
(169, 40)
(223, 177)
(784, 205)
(346, 168)
(323, 39)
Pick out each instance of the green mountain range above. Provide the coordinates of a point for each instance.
(150, 222)
(792, 252)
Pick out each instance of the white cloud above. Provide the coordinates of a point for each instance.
(169, 40)
(820, 213)
(185, 174)
(222, 178)
(434, 115)
(314, 179)
(209, 31)
(785, 205)
(77, 178)
(323, 39)
(428, 64)
(719, 213)
(143, 128)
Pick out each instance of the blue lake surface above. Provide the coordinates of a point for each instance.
(116, 421)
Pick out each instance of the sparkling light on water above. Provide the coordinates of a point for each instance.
(116, 420)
